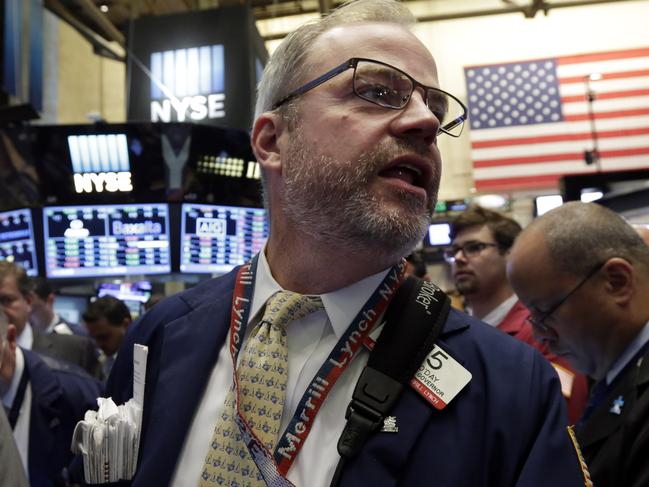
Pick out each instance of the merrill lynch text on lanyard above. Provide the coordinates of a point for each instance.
(275, 466)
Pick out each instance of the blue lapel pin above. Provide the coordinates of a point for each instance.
(616, 407)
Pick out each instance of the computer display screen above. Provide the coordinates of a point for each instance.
(139, 291)
(214, 239)
(438, 235)
(103, 240)
(545, 203)
(17, 239)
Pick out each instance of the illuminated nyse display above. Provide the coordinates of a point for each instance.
(17, 239)
(106, 240)
(214, 239)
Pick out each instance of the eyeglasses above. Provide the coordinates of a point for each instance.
(469, 249)
(539, 322)
(389, 87)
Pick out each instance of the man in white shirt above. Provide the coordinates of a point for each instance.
(44, 398)
(583, 272)
(16, 297)
(348, 116)
(481, 240)
(107, 319)
(42, 315)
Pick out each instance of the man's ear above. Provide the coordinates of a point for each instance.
(265, 140)
(620, 279)
(125, 323)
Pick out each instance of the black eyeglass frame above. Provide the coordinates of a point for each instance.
(450, 258)
(352, 63)
(539, 323)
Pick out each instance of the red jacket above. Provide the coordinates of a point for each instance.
(515, 324)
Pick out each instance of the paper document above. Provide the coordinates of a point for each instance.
(108, 439)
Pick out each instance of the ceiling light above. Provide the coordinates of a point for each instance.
(103, 7)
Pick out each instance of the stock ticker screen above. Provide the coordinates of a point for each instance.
(103, 240)
(17, 239)
(214, 239)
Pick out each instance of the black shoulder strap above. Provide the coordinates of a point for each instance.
(413, 322)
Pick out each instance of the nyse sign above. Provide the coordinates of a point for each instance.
(197, 108)
(188, 84)
(91, 182)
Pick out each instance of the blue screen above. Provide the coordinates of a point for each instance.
(17, 239)
(103, 240)
(214, 239)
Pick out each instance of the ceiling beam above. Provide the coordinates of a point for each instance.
(528, 11)
(92, 11)
(99, 43)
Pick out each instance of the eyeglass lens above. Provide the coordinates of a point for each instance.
(389, 87)
(470, 249)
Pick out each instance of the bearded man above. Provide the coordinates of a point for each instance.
(348, 116)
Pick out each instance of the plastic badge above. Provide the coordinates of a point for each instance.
(440, 378)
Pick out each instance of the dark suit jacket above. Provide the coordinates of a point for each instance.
(74, 327)
(61, 394)
(516, 325)
(12, 472)
(616, 447)
(506, 428)
(77, 350)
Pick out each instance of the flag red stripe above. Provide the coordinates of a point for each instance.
(567, 156)
(616, 114)
(523, 182)
(607, 95)
(603, 56)
(606, 76)
(559, 138)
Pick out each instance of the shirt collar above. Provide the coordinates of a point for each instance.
(26, 338)
(53, 323)
(341, 305)
(496, 315)
(631, 350)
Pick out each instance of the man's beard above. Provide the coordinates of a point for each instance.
(331, 200)
(467, 287)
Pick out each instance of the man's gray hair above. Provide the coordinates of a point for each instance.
(287, 67)
(583, 235)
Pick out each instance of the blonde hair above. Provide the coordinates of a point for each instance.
(287, 66)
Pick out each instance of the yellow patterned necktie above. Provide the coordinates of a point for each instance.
(262, 374)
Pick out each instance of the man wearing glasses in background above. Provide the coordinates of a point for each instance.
(348, 117)
(481, 240)
(583, 272)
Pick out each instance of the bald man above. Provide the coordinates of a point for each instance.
(583, 272)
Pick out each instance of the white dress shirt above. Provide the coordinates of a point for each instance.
(58, 326)
(496, 315)
(630, 351)
(310, 341)
(21, 430)
(26, 338)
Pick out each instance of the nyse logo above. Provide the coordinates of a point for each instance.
(210, 227)
(100, 163)
(91, 182)
(188, 84)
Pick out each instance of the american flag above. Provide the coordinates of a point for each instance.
(529, 120)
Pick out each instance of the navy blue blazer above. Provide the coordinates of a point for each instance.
(506, 428)
(61, 394)
(615, 441)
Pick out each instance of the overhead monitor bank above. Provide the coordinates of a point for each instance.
(104, 240)
(17, 242)
(215, 239)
